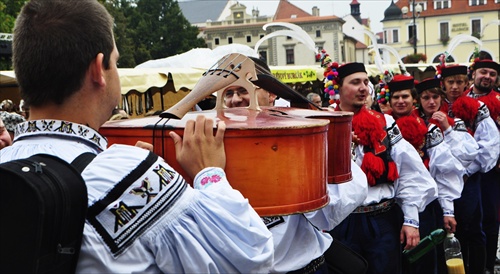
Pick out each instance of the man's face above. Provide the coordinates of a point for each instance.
(401, 102)
(236, 96)
(484, 79)
(454, 86)
(430, 102)
(5, 138)
(354, 91)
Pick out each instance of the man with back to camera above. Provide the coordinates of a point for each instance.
(170, 226)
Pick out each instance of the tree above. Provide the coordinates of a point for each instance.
(121, 10)
(9, 9)
(162, 30)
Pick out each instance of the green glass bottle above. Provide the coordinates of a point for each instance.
(436, 237)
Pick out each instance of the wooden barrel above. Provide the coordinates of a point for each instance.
(276, 160)
(339, 140)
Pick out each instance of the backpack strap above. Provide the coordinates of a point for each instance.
(81, 162)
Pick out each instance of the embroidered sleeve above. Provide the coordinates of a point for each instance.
(394, 134)
(411, 222)
(482, 113)
(208, 177)
(434, 136)
(459, 125)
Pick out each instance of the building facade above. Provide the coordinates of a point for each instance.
(457, 28)
(282, 50)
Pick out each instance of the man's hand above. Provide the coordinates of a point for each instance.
(450, 224)
(199, 148)
(411, 235)
(144, 145)
(442, 119)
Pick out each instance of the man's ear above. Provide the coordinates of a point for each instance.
(97, 70)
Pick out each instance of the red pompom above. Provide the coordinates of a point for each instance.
(413, 130)
(492, 101)
(392, 173)
(465, 108)
(367, 128)
(373, 167)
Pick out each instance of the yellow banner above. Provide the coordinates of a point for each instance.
(295, 75)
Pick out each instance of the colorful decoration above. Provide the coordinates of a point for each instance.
(382, 88)
(331, 76)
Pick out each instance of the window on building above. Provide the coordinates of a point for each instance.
(442, 4)
(260, 36)
(290, 56)
(412, 32)
(395, 36)
(216, 41)
(318, 33)
(477, 2)
(288, 38)
(249, 38)
(391, 36)
(444, 32)
(476, 27)
(230, 40)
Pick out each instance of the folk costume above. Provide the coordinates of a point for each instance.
(490, 182)
(143, 217)
(446, 170)
(300, 240)
(468, 208)
(400, 187)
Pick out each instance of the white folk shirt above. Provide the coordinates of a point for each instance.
(297, 242)
(172, 228)
(446, 170)
(414, 189)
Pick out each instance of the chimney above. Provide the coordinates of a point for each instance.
(315, 11)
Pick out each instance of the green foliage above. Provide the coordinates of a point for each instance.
(414, 58)
(9, 9)
(144, 29)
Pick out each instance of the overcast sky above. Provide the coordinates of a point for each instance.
(373, 9)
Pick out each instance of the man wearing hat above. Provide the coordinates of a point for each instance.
(484, 75)
(399, 182)
(299, 240)
(436, 155)
(468, 207)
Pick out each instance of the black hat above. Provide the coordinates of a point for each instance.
(401, 82)
(267, 81)
(350, 68)
(453, 70)
(428, 84)
(486, 63)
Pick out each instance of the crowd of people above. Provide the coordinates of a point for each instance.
(414, 170)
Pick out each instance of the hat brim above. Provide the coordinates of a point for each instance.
(280, 89)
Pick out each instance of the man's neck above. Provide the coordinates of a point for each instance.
(350, 108)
